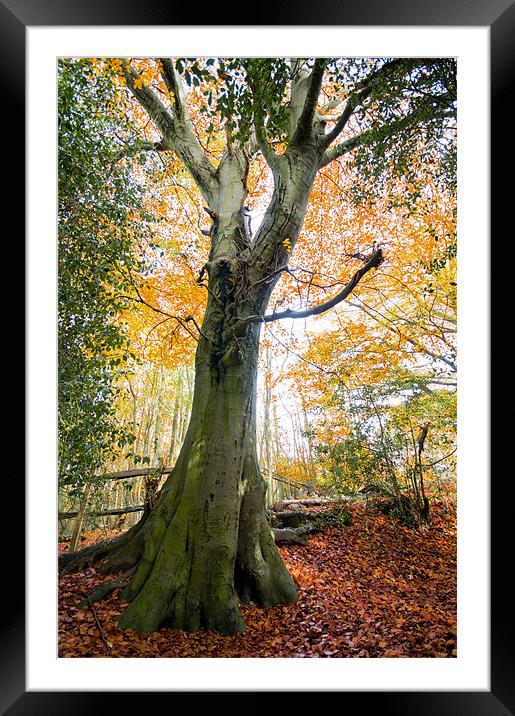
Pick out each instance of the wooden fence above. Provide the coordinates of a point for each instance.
(279, 488)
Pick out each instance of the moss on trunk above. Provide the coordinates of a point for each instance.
(207, 545)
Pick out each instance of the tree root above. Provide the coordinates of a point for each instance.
(103, 590)
(74, 561)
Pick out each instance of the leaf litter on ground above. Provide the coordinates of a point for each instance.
(372, 589)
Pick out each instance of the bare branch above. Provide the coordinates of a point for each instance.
(141, 147)
(374, 261)
(430, 464)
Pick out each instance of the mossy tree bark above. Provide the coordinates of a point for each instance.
(206, 544)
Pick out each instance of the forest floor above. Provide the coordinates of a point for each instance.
(372, 589)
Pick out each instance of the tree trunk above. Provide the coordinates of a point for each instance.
(207, 545)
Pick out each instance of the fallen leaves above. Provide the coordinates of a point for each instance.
(374, 589)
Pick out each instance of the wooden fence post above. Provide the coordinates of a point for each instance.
(77, 528)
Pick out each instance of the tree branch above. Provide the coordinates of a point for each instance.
(373, 262)
(344, 148)
(430, 464)
(141, 147)
(384, 320)
(178, 135)
(364, 89)
(174, 85)
(384, 132)
(340, 124)
(262, 141)
(305, 121)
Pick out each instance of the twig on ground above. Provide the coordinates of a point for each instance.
(99, 625)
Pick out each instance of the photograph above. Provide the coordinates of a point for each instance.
(257, 364)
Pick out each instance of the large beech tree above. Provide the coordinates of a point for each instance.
(206, 545)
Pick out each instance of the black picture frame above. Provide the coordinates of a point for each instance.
(499, 16)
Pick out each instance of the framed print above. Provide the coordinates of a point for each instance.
(33, 36)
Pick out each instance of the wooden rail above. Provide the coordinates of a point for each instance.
(139, 472)
(118, 511)
(124, 474)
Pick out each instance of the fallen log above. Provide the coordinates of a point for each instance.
(309, 501)
(298, 535)
(287, 518)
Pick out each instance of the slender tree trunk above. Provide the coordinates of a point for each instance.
(266, 452)
(174, 440)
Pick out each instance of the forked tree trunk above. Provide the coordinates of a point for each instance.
(206, 543)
